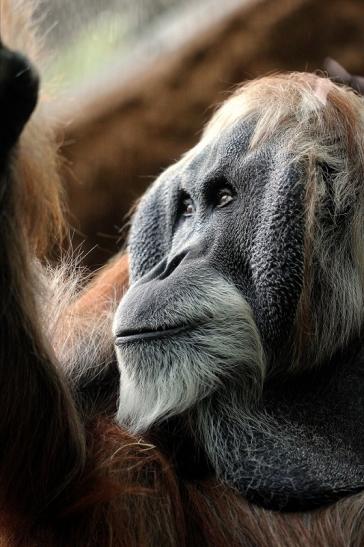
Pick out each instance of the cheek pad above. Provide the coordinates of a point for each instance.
(151, 230)
(278, 251)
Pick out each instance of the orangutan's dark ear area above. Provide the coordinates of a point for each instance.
(341, 76)
(19, 85)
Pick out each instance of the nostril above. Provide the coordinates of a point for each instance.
(172, 265)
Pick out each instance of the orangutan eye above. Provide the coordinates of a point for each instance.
(188, 208)
(224, 197)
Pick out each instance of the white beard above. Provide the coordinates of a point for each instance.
(164, 377)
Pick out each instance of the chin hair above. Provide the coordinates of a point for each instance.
(164, 377)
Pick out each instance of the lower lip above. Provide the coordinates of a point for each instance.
(150, 335)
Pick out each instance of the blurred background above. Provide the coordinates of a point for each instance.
(136, 80)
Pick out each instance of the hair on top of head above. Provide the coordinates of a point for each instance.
(294, 101)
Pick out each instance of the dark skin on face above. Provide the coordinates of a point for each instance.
(209, 214)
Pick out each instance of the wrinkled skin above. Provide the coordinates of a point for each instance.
(235, 239)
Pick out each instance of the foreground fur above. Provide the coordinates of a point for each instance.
(64, 479)
(41, 204)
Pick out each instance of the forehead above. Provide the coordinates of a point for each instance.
(221, 154)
